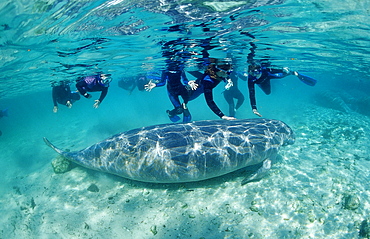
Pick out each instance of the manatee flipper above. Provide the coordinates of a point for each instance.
(261, 172)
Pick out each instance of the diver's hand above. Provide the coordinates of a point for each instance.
(148, 87)
(228, 118)
(256, 113)
(229, 84)
(286, 70)
(97, 103)
(55, 109)
(69, 104)
(193, 85)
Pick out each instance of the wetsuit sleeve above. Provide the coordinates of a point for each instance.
(184, 78)
(208, 95)
(163, 79)
(199, 80)
(103, 93)
(54, 95)
(252, 92)
(80, 87)
(68, 93)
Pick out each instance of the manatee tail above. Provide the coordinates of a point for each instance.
(48, 143)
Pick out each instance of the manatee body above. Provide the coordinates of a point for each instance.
(186, 152)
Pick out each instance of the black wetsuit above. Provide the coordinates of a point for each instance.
(263, 82)
(176, 86)
(61, 94)
(206, 85)
(92, 84)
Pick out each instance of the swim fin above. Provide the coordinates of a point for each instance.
(306, 79)
(173, 118)
(187, 116)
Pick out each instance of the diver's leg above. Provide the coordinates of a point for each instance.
(187, 115)
(173, 114)
(228, 95)
(239, 97)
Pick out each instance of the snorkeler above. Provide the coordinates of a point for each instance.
(176, 81)
(130, 84)
(217, 71)
(177, 53)
(62, 94)
(93, 84)
(261, 74)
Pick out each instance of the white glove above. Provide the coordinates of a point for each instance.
(228, 118)
(150, 86)
(69, 104)
(229, 84)
(193, 85)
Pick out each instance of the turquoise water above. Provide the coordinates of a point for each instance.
(305, 192)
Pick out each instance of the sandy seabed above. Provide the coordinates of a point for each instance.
(318, 188)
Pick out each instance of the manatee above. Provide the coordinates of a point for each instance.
(186, 152)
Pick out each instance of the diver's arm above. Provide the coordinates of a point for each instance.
(103, 93)
(81, 88)
(211, 103)
(163, 79)
(208, 95)
(54, 96)
(252, 96)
